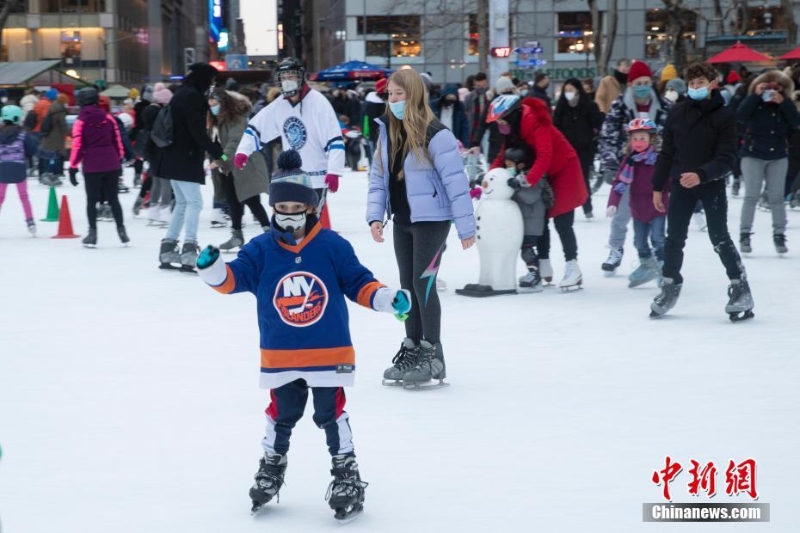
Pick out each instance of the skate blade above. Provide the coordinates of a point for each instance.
(531, 290)
(634, 284)
(572, 288)
(392, 382)
(344, 516)
(187, 270)
(90, 246)
(740, 316)
(425, 385)
(168, 266)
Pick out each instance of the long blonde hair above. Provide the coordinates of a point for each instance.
(417, 117)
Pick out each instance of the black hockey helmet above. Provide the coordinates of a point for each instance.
(292, 66)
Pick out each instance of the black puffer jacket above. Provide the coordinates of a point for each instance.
(698, 137)
(767, 124)
(580, 124)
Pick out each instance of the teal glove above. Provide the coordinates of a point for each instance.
(208, 257)
(401, 305)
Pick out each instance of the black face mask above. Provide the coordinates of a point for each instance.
(621, 77)
(447, 102)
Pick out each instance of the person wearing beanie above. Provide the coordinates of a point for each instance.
(53, 141)
(675, 90)
(305, 121)
(300, 275)
(668, 73)
(182, 163)
(374, 107)
(97, 147)
(161, 94)
(611, 87)
(40, 109)
(638, 100)
(504, 85)
(160, 189)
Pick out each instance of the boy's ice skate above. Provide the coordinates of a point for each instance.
(346, 492)
(779, 239)
(647, 271)
(740, 301)
(546, 271)
(573, 279)
(611, 264)
(429, 366)
(403, 361)
(531, 282)
(670, 291)
(269, 480)
(169, 257)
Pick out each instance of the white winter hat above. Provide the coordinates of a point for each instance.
(504, 85)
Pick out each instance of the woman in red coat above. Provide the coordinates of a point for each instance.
(527, 125)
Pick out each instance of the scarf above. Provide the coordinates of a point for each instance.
(625, 175)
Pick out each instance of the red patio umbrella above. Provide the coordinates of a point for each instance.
(791, 55)
(739, 53)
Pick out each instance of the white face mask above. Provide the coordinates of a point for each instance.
(289, 85)
(671, 95)
(570, 95)
(291, 222)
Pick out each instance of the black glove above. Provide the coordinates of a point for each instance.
(514, 184)
(73, 172)
(224, 166)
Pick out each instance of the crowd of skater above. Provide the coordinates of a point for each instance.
(667, 146)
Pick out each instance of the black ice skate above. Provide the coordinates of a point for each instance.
(269, 480)
(611, 264)
(189, 255)
(403, 361)
(779, 239)
(123, 235)
(740, 301)
(745, 246)
(169, 257)
(670, 291)
(90, 241)
(346, 492)
(233, 244)
(429, 366)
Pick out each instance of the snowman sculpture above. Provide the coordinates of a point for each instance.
(500, 231)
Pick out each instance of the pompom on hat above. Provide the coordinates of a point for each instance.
(290, 183)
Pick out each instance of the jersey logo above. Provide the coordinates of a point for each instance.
(295, 132)
(300, 299)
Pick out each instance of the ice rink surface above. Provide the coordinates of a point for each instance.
(129, 399)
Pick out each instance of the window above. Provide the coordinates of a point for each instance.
(762, 19)
(657, 38)
(575, 33)
(395, 36)
(72, 6)
(474, 35)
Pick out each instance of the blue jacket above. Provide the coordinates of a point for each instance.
(300, 292)
(438, 190)
(767, 125)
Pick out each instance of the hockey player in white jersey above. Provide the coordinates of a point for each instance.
(305, 121)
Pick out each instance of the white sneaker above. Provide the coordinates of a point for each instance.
(165, 214)
(441, 285)
(572, 276)
(546, 270)
(700, 221)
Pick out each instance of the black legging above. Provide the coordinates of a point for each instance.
(237, 207)
(566, 234)
(102, 186)
(586, 157)
(419, 249)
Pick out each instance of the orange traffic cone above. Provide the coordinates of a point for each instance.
(65, 222)
(324, 219)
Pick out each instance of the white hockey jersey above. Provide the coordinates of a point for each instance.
(310, 127)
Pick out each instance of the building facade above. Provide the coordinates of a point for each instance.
(119, 41)
(442, 37)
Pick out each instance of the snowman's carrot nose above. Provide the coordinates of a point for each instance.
(485, 184)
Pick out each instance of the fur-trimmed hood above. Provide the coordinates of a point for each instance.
(241, 107)
(539, 109)
(773, 76)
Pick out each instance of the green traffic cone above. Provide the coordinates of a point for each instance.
(52, 207)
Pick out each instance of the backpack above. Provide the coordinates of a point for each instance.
(13, 152)
(47, 125)
(163, 128)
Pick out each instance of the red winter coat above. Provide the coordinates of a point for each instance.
(554, 156)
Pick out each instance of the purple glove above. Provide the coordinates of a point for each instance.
(476, 193)
(620, 187)
(332, 181)
(239, 161)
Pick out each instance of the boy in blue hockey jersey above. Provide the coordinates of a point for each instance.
(300, 275)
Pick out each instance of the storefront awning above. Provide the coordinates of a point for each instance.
(20, 72)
